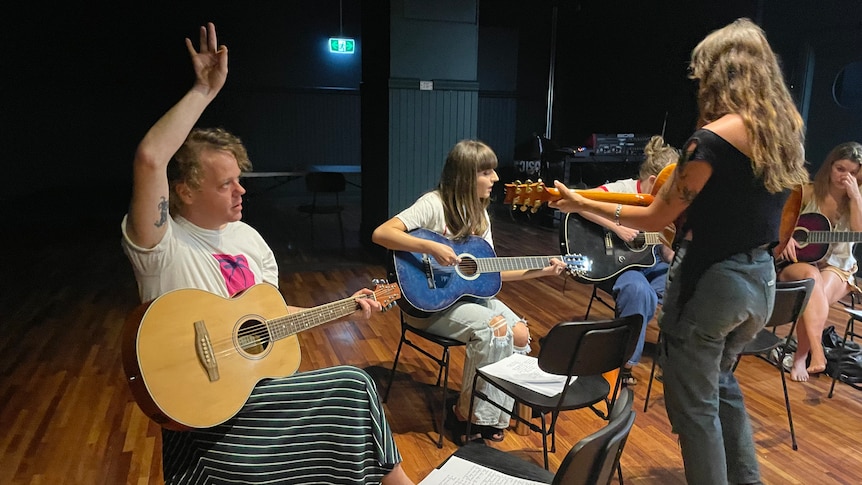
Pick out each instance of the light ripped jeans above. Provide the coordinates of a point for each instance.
(468, 321)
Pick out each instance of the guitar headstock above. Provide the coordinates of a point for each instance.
(386, 293)
(577, 265)
(529, 195)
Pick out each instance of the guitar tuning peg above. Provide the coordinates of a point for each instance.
(524, 208)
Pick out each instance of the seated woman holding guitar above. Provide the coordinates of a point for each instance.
(639, 289)
(183, 233)
(457, 208)
(833, 196)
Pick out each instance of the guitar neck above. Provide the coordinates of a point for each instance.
(294, 323)
(827, 237)
(652, 238)
(496, 265)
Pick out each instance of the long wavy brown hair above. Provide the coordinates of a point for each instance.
(185, 166)
(850, 150)
(463, 208)
(739, 73)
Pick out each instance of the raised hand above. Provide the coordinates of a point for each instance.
(210, 63)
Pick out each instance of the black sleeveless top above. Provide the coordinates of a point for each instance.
(733, 213)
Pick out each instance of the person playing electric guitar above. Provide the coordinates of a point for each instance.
(639, 290)
(492, 332)
(834, 194)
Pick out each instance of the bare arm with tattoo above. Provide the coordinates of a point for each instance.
(675, 195)
(148, 211)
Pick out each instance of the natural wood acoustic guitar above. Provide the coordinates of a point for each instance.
(192, 358)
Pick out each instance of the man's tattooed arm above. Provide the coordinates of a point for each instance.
(163, 213)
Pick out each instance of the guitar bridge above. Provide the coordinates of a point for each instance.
(429, 272)
(204, 350)
(609, 243)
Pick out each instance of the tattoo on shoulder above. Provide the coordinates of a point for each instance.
(163, 213)
(678, 186)
(686, 194)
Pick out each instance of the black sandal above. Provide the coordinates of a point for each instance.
(459, 429)
(491, 433)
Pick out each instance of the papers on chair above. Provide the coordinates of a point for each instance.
(457, 471)
(857, 314)
(524, 371)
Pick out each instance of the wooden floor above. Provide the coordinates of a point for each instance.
(68, 417)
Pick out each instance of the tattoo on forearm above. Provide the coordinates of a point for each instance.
(163, 213)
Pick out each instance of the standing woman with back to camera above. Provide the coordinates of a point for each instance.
(732, 181)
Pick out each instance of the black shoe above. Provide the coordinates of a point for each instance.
(459, 430)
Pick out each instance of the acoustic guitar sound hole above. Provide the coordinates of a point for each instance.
(468, 267)
(253, 337)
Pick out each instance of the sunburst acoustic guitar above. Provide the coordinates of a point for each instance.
(192, 358)
(813, 233)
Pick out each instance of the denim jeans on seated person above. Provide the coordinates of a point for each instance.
(638, 291)
(701, 341)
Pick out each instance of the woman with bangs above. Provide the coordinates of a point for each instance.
(732, 181)
(457, 208)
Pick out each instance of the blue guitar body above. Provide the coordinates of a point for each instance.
(428, 287)
(431, 287)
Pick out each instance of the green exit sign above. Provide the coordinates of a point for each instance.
(342, 45)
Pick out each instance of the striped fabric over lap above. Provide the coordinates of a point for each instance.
(322, 426)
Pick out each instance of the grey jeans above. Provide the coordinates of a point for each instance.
(701, 341)
(467, 321)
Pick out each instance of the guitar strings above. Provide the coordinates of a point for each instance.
(261, 332)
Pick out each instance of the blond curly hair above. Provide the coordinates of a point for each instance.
(185, 166)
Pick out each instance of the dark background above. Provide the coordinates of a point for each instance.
(81, 83)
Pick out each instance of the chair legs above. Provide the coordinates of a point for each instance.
(443, 363)
(780, 368)
(544, 429)
(652, 372)
(849, 334)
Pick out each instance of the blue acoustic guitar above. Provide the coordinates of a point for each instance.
(428, 287)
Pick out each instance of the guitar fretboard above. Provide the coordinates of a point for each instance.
(824, 237)
(294, 323)
(649, 238)
(495, 265)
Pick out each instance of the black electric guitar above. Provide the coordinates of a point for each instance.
(609, 254)
(814, 234)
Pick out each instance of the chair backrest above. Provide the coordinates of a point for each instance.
(624, 403)
(325, 182)
(790, 299)
(591, 347)
(594, 458)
